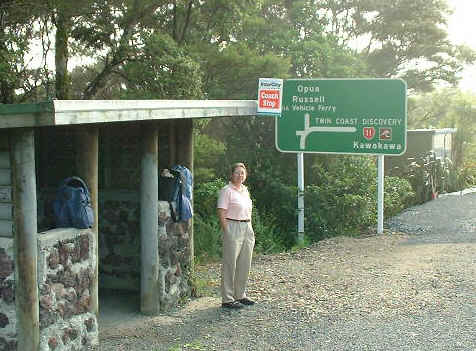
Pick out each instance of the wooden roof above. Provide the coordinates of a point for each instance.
(70, 112)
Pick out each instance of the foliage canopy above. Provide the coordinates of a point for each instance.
(105, 40)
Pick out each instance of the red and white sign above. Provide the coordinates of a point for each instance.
(385, 133)
(369, 133)
(270, 95)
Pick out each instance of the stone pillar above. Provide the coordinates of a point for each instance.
(149, 213)
(87, 151)
(184, 132)
(22, 156)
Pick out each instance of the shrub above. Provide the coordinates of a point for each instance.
(429, 175)
(207, 239)
(398, 195)
(343, 202)
(468, 174)
(338, 202)
(207, 236)
(267, 233)
(206, 194)
(207, 232)
(330, 214)
(458, 179)
(276, 203)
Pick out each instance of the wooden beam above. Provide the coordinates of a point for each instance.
(149, 214)
(172, 143)
(184, 139)
(22, 155)
(87, 149)
(6, 207)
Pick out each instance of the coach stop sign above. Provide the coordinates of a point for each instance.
(270, 95)
(348, 116)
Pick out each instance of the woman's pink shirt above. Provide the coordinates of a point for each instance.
(237, 204)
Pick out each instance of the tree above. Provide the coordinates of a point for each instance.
(233, 72)
(400, 38)
(111, 30)
(162, 70)
(295, 30)
(16, 34)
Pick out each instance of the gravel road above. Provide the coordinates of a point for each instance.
(412, 288)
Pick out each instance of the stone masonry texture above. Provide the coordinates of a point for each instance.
(66, 265)
(119, 248)
(8, 334)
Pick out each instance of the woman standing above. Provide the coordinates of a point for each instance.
(234, 211)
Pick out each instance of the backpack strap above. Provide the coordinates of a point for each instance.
(79, 180)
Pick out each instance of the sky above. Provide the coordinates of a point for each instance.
(460, 31)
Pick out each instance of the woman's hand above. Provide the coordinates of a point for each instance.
(222, 217)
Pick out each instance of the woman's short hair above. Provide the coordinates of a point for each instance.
(237, 165)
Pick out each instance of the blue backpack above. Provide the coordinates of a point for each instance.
(176, 188)
(72, 206)
(184, 197)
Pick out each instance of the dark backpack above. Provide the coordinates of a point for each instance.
(170, 190)
(169, 186)
(72, 206)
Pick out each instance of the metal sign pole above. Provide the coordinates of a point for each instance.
(300, 167)
(380, 180)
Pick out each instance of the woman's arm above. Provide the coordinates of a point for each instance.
(221, 216)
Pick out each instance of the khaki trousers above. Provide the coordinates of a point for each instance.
(238, 243)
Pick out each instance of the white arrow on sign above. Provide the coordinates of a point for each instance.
(308, 130)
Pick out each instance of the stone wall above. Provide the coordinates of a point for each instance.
(66, 266)
(8, 333)
(119, 245)
(119, 248)
(174, 258)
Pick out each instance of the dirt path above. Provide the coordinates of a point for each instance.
(414, 288)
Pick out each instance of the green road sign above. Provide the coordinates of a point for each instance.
(349, 116)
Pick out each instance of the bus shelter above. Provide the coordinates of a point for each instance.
(49, 277)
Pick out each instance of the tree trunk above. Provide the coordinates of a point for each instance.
(63, 28)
